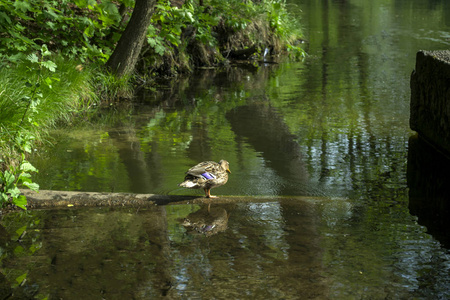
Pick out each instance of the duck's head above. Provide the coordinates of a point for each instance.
(225, 165)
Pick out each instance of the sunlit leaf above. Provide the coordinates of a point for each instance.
(8, 178)
(14, 192)
(21, 202)
(32, 186)
(21, 230)
(33, 58)
(48, 81)
(27, 167)
(23, 6)
(4, 197)
(81, 3)
(45, 51)
(22, 277)
(51, 66)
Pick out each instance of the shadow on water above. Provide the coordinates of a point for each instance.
(261, 126)
(429, 188)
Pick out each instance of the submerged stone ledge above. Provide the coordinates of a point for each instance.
(430, 98)
(60, 199)
(48, 199)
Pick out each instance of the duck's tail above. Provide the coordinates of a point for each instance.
(189, 184)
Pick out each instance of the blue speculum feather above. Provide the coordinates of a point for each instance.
(208, 175)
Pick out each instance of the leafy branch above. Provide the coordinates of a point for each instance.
(17, 173)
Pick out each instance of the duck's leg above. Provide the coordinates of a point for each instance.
(208, 194)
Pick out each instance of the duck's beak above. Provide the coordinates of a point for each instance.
(228, 170)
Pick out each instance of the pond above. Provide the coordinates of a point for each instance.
(342, 200)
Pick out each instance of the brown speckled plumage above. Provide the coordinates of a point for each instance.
(195, 178)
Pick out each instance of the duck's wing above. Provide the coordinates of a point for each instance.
(201, 168)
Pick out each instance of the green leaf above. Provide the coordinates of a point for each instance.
(14, 192)
(22, 6)
(160, 49)
(8, 179)
(21, 230)
(4, 17)
(48, 81)
(24, 177)
(33, 58)
(81, 3)
(27, 167)
(89, 31)
(51, 25)
(18, 250)
(3, 197)
(32, 186)
(45, 51)
(21, 202)
(51, 66)
(27, 148)
(109, 11)
(151, 42)
(172, 39)
(189, 16)
(21, 278)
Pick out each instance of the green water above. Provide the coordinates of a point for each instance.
(344, 203)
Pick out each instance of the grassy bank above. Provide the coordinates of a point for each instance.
(34, 96)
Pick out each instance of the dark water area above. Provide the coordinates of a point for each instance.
(346, 202)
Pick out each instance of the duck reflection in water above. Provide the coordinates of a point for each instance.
(207, 175)
(207, 221)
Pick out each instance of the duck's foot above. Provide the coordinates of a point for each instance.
(208, 194)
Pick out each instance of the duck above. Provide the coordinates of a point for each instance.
(207, 175)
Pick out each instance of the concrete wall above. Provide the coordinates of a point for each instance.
(430, 98)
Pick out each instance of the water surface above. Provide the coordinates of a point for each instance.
(291, 248)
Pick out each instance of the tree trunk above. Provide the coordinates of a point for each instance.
(126, 53)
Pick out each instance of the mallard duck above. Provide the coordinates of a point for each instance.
(207, 175)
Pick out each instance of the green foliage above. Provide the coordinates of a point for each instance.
(11, 179)
(236, 14)
(110, 88)
(156, 41)
(296, 52)
(84, 30)
(169, 23)
(33, 96)
(15, 173)
(195, 34)
(88, 30)
(285, 27)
